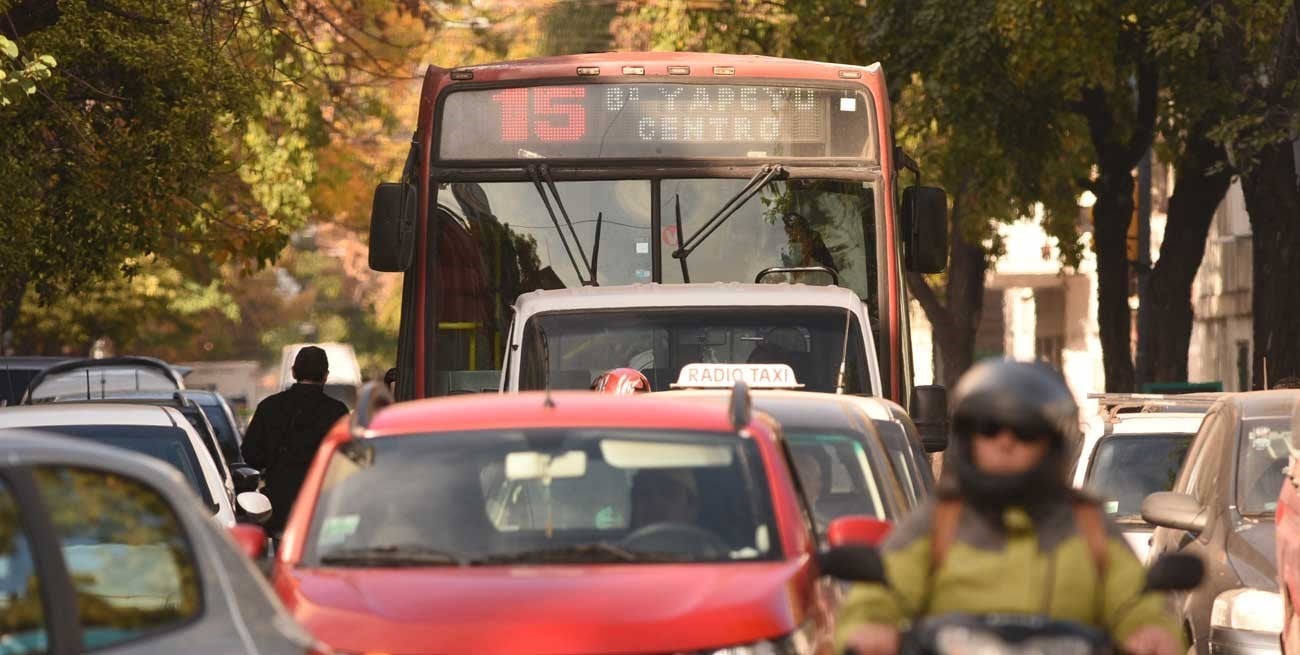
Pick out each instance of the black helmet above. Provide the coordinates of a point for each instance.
(1030, 399)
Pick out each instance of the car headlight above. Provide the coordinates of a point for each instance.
(1247, 609)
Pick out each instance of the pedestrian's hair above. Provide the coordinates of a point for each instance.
(311, 364)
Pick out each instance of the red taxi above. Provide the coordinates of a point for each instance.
(574, 523)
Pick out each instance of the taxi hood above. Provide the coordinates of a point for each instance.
(575, 610)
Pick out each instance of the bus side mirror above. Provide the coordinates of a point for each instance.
(392, 227)
(929, 410)
(925, 226)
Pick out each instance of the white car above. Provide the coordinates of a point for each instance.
(1134, 455)
(159, 432)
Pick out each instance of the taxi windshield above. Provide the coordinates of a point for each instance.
(579, 346)
(544, 496)
(838, 476)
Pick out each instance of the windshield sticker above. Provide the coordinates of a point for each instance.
(848, 104)
(642, 274)
(642, 247)
(1111, 506)
(336, 529)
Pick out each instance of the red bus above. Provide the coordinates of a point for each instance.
(626, 168)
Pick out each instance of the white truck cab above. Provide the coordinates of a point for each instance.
(565, 338)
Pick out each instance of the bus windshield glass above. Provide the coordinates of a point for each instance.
(570, 349)
(651, 121)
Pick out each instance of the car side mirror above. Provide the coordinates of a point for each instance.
(857, 531)
(245, 478)
(925, 227)
(392, 227)
(1175, 572)
(929, 407)
(254, 506)
(251, 539)
(853, 564)
(1171, 509)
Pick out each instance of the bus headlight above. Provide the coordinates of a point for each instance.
(1247, 609)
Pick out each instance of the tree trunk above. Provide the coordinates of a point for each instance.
(1111, 215)
(1167, 335)
(1273, 202)
(957, 319)
(11, 300)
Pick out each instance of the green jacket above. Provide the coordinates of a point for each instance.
(1036, 564)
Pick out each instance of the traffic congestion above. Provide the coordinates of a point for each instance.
(657, 386)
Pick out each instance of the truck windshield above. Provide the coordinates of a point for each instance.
(568, 350)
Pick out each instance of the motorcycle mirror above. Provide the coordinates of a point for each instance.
(853, 564)
(1175, 572)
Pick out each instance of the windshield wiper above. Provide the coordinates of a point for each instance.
(734, 203)
(393, 555)
(594, 552)
(541, 173)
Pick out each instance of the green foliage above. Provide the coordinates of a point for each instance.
(18, 76)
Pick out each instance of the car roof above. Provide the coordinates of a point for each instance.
(713, 294)
(1264, 404)
(529, 410)
(31, 362)
(806, 409)
(82, 413)
(1156, 423)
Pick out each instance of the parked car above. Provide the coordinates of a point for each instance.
(103, 550)
(556, 523)
(1135, 456)
(1222, 508)
(17, 372)
(1287, 521)
(907, 450)
(159, 432)
(224, 424)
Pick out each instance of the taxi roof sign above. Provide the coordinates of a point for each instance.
(725, 376)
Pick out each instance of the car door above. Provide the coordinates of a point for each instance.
(33, 616)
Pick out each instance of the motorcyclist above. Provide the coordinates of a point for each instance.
(622, 382)
(1006, 534)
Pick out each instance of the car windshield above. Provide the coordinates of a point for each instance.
(94, 383)
(1261, 464)
(1127, 468)
(579, 346)
(839, 477)
(544, 496)
(169, 444)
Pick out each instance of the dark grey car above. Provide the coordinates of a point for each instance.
(105, 550)
(1222, 509)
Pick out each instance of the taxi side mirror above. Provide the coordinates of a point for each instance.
(929, 407)
(857, 531)
(392, 227)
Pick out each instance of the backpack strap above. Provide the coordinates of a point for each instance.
(943, 530)
(1092, 529)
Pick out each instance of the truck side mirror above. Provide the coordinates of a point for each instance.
(929, 410)
(392, 227)
(925, 227)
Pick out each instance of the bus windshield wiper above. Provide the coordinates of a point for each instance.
(540, 173)
(391, 555)
(734, 203)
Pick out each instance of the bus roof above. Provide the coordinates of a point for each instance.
(653, 64)
(709, 294)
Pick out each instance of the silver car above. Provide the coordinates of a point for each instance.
(107, 550)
